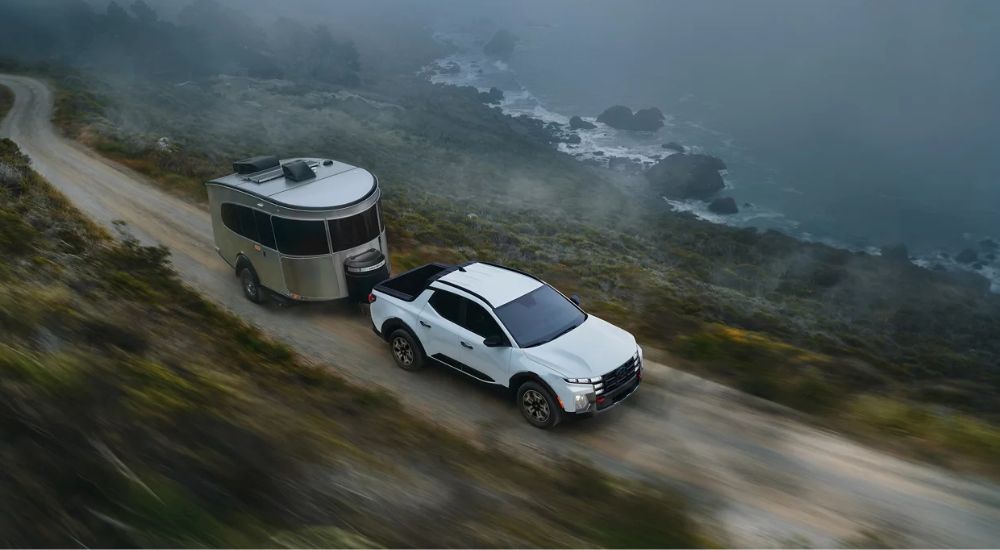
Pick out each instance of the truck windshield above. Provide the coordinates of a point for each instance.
(540, 316)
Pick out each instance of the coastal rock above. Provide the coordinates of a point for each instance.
(618, 116)
(495, 95)
(622, 118)
(716, 163)
(578, 123)
(674, 146)
(723, 205)
(501, 45)
(967, 256)
(573, 139)
(648, 120)
(684, 176)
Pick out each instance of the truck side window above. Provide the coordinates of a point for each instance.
(448, 305)
(299, 237)
(479, 321)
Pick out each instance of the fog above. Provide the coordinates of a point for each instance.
(856, 122)
(872, 122)
(863, 123)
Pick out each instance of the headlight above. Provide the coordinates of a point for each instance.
(583, 380)
(581, 401)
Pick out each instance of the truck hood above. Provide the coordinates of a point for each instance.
(590, 350)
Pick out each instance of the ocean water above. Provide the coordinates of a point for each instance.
(821, 169)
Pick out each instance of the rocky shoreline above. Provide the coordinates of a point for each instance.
(687, 178)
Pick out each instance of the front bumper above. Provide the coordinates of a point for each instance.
(601, 403)
(621, 394)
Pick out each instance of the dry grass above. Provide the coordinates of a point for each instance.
(135, 413)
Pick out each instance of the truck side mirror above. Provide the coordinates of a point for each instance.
(575, 299)
(495, 342)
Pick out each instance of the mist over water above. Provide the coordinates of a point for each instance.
(862, 123)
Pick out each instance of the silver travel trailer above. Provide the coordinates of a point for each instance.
(304, 229)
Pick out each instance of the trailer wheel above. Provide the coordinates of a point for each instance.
(250, 284)
(406, 350)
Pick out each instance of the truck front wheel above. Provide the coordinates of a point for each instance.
(538, 406)
(406, 350)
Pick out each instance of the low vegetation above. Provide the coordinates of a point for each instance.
(463, 181)
(135, 413)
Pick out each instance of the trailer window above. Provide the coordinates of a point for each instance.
(264, 229)
(240, 219)
(300, 238)
(355, 230)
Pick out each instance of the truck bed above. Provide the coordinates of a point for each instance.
(407, 286)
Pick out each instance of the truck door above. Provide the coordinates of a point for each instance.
(446, 336)
(479, 324)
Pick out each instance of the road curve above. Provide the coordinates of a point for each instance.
(763, 478)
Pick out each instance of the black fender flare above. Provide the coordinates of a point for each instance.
(393, 323)
(521, 377)
(241, 262)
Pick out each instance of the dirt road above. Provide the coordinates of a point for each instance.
(766, 479)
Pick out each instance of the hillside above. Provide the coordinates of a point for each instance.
(837, 334)
(135, 413)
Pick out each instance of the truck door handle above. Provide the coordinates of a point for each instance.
(426, 324)
(466, 345)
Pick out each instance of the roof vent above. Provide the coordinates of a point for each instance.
(255, 164)
(297, 170)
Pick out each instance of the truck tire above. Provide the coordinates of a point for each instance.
(538, 406)
(406, 350)
(251, 284)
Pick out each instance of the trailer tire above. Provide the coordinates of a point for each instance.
(406, 350)
(251, 284)
(538, 406)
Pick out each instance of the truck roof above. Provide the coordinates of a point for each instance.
(336, 184)
(497, 285)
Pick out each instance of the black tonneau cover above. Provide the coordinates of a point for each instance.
(407, 286)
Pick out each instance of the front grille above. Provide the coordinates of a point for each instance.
(618, 377)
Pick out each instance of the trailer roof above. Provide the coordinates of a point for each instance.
(336, 185)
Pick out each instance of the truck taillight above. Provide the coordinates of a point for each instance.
(371, 298)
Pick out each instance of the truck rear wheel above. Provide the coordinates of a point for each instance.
(251, 285)
(406, 350)
(538, 406)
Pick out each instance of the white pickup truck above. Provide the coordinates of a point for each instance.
(504, 327)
